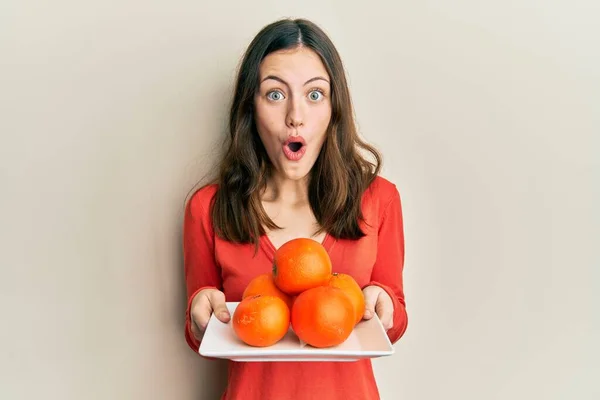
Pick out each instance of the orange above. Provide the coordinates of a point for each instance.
(301, 264)
(349, 285)
(261, 321)
(323, 316)
(265, 285)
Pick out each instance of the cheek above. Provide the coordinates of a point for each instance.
(268, 121)
(322, 117)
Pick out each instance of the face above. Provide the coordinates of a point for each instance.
(293, 109)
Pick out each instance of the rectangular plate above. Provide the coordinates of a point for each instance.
(368, 340)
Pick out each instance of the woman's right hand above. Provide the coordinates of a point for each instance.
(205, 303)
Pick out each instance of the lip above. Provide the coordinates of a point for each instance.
(294, 155)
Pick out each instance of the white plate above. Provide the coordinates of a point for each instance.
(368, 340)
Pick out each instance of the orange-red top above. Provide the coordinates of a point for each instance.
(376, 259)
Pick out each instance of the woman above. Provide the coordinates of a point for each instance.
(292, 169)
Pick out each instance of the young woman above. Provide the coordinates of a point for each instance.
(293, 168)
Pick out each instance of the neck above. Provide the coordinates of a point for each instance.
(283, 190)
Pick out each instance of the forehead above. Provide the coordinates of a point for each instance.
(294, 65)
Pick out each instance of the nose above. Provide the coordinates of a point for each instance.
(294, 123)
(295, 117)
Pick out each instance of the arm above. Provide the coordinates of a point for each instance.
(389, 265)
(200, 267)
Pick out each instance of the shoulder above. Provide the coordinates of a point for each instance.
(381, 191)
(198, 205)
(379, 197)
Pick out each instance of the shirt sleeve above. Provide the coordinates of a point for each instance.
(200, 267)
(389, 265)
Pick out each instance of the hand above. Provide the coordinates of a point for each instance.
(204, 304)
(377, 300)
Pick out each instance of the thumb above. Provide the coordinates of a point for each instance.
(217, 302)
(370, 295)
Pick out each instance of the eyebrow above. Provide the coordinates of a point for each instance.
(276, 78)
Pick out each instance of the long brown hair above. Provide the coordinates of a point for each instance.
(340, 174)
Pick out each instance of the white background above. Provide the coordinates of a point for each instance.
(487, 114)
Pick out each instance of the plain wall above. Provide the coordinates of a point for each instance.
(487, 114)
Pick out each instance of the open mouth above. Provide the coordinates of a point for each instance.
(295, 146)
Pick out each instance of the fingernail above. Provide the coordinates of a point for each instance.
(368, 313)
(224, 314)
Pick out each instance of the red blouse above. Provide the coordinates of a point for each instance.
(376, 259)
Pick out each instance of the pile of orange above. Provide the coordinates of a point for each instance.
(322, 306)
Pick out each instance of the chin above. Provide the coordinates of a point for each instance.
(295, 175)
(294, 172)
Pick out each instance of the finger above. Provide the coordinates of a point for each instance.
(201, 311)
(370, 300)
(385, 310)
(196, 330)
(217, 301)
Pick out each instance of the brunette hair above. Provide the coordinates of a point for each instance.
(340, 174)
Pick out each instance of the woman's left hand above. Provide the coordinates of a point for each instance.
(378, 301)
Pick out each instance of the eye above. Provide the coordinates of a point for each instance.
(315, 95)
(275, 95)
